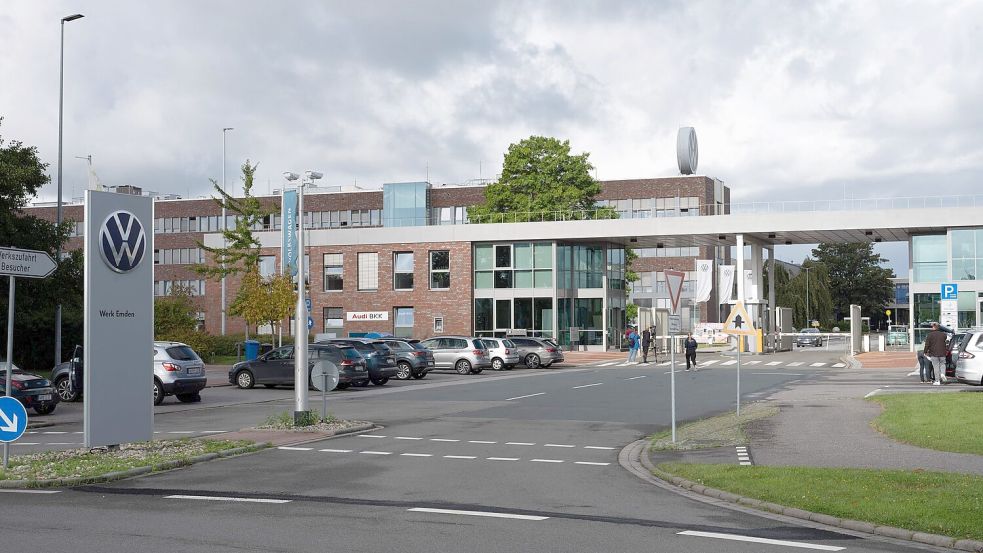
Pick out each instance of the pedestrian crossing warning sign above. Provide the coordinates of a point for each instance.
(738, 322)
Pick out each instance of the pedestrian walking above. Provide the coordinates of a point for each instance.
(646, 344)
(690, 346)
(633, 345)
(935, 349)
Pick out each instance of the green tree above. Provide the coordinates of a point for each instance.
(856, 277)
(264, 300)
(22, 174)
(174, 315)
(242, 250)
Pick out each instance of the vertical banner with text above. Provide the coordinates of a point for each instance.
(288, 231)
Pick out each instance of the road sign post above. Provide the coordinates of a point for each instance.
(28, 264)
(13, 422)
(324, 376)
(739, 324)
(674, 283)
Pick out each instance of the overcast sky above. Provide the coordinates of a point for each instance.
(790, 100)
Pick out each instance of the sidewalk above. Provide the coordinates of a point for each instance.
(887, 359)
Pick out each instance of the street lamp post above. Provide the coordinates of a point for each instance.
(225, 131)
(808, 317)
(61, 104)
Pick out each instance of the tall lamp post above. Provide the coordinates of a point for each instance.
(61, 105)
(225, 131)
(808, 317)
(300, 320)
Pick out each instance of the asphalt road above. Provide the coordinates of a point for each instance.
(520, 461)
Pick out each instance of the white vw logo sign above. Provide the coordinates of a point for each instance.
(122, 241)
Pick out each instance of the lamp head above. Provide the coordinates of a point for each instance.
(313, 175)
(290, 176)
(73, 17)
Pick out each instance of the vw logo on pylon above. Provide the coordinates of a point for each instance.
(122, 241)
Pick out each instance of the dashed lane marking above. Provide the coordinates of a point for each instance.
(480, 442)
(53, 432)
(443, 440)
(30, 491)
(459, 457)
(234, 499)
(519, 443)
(781, 374)
(591, 463)
(502, 458)
(289, 448)
(336, 450)
(598, 447)
(407, 438)
(635, 377)
(545, 460)
(370, 436)
(376, 452)
(415, 455)
(182, 432)
(523, 397)
(476, 513)
(558, 445)
(587, 385)
(752, 539)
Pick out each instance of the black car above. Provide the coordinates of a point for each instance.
(33, 391)
(276, 368)
(378, 357)
(412, 360)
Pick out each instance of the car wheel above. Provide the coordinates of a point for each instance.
(64, 389)
(420, 375)
(497, 364)
(269, 385)
(380, 381)
(45, 409)
(341, 386)
(363, 384)
(189, 398)
(533, 361)
(245, 380)
(404, 371)
(158, 392)
(463, 367)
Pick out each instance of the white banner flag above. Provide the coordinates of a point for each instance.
(726, 291)
(704, 279)
(750, 286)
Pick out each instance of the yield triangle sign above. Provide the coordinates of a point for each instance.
(738, 322)
(674, 282)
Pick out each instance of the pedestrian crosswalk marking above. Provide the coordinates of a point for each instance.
(710, 362)
(608, 364)
(818, 365)
(731, 362)
(796, 364)
(752, 362)
(773, 363)
(838, 365)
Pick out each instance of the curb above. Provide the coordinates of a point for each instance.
(353, 430)
(40, 424)
(633, 459)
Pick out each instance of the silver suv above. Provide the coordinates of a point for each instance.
(504, 355)
(538, 352)
(969, 360)
(178, 371)
(464, 354)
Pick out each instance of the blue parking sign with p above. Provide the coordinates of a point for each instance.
(13, 419)
(950, 291)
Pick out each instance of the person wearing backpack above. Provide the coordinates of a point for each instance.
(633, 345)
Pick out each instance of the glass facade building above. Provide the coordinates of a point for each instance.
(954, 257)
(405, 204)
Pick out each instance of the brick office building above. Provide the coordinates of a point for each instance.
(444, 280)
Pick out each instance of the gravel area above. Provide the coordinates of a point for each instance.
(323, 427)
(722, 430)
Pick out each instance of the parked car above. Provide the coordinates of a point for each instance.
(378, 357)
(464, 354)
(814, 338)
(276, 368)
(969, 358)
(33, 391)
(537, 352)
(178, 371)
(412, 360)
(503, 352)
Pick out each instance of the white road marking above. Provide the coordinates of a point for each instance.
(25, 443)
(219, 498)
(519, 443)
(591, 463)
(796, 364)
(752, 362)
(30, 491)
(546, 460)
(745, 463)
(624, 364)
(480, 442)
(459, 457)
(288, 448)
(558, 445)
(336, 450)
(377, 452)
(782, 374)
(818, 365)
(64, 443)
(370, 436)
(209, 431)
(523, 397)
(608, 364)
(871, 394)
(415, 455)
(735, 537)
(773, 363)
(181, 432)
(839, 365)
(407, 438)
(81, 432)
(731, 362)
(53, 432)
(635, 377)
(587, 385)
(502, 458)
(664, 364)
(710, 362)
(597, 447)
(443, 440)
(476, 513)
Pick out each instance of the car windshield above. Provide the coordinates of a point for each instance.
(349, 352)
(551, 343)
(399, 346)
(182, 353)
(478, 344)
(810, 330)
(508, 343)
(419, 346)
(490, 344)
(363, 347)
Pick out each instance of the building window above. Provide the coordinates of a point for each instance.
(368, 271)
(403, 325)
(929, 258)
(438, 325)
(267, 266)
(334, 279)
(440, 270)
(967, 254)
(334, 317)
(403, 271)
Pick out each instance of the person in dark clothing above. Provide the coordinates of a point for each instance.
(925, 372)
(646, 344)
(936, 350)
(690, 345)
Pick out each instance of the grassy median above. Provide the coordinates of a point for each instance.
(933, 502)
(946, 422)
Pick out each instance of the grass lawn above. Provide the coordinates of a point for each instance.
(933, 502)
(946, 422)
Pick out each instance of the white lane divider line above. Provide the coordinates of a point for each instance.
(480, 442)
(181, 432)
(591, 463)
(731, 362)
(839, 365)
(752, 539)
(558, 445)
(587, 385)
(608, 364)
(459, 457)
(209, 431)
(30, 491)
(623, 364)
(796, 364)
(597, 447)
(336, 450)
(710, 362)
(54, 432)
(82, 432)
(545, 460)
(64, 443)
(443, 440)
(523, 397)
(476, 513)
(407, 438)
(773, 363)
(502, 458)
(376, 452)
(289, 448)
(415, 455)
(220, 498)
(25, 443)
(519, 443)
(370, 436)
(635, 377)
(818, 365)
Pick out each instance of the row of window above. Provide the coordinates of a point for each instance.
(645, 208)
(692, 251)
(312, 220)
(520, 265)
(192, 287)
(456, 215)
(403, 321)
(404, 263)
(179, 256)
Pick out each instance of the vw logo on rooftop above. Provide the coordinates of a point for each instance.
(122, 241)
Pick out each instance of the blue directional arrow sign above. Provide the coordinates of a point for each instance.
(13, 419)
(310, 323)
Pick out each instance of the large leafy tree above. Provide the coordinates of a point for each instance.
(264, 300)
(856, 277)
(174, 315)
(22, 174)
(791, 291)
